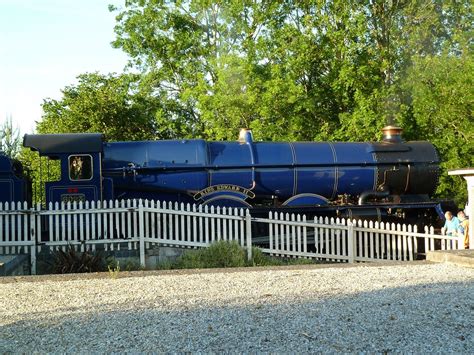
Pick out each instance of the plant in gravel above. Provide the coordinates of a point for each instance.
(72, 261)
(114, 271)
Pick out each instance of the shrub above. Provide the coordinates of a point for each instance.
(72, 261)
(219, 254)
(225, 254)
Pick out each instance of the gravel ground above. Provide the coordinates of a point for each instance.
(418, 308)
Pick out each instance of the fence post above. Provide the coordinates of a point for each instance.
(141, 232)
(248, 227)
(351, 245)
(33, 240)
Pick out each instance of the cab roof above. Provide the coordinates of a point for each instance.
(49, 144)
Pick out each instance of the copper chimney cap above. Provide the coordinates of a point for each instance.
(392, 134)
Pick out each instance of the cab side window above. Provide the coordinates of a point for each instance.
(80, 167)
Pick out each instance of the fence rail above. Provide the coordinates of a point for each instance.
(140, 225)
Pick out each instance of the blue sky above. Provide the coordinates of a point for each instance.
(44, 45)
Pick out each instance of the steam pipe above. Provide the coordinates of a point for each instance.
(367, 194)
(245, 137)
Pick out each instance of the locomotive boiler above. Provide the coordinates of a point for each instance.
(390, 177)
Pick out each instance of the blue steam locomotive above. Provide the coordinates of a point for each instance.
(391, 177)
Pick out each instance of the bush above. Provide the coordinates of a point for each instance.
(220, 254)
(224, 254)
(71, 261)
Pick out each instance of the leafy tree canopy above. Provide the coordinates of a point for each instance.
(109, 104)
(10, 142)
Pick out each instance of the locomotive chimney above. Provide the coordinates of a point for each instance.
(245, 135)
(392, 134)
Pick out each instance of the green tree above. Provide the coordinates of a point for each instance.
(289, 70)
(191, 57)
(109, 104)
(436, 87)
(443, 104)
(10, 138)
(272, 66)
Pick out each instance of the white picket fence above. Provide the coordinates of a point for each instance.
(140, 225)
(338, 239)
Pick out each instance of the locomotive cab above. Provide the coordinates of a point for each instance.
(80, 157)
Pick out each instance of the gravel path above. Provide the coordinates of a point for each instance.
(417, 308)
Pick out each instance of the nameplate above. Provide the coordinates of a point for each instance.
(223, 188)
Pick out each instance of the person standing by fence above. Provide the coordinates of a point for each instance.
(451, 225)
(463, 229)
